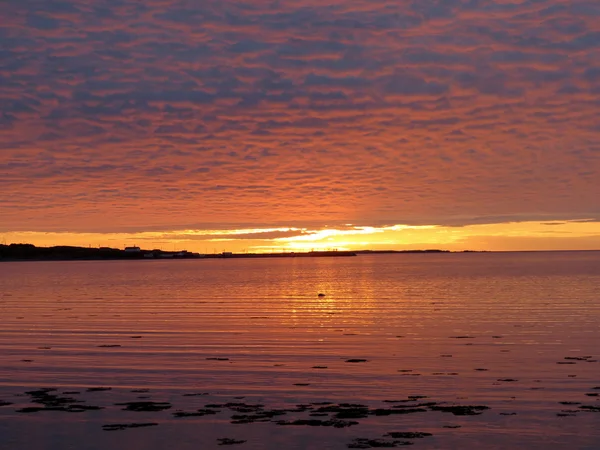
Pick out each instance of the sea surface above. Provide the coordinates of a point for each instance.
(475, 351)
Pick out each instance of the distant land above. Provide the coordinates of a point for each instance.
(29, 252)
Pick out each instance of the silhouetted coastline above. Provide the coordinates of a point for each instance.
(29, 252)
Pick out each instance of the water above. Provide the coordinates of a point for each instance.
(447, 327)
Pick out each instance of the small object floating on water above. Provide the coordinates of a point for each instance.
(98, 389)
(109, 345)
(460, 410)
(407, 434)
(376, 443)
(321, 294)
(355, 360)
(144, 406)
(123, 426)
(229, 441)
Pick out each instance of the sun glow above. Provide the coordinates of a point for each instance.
(499, 236)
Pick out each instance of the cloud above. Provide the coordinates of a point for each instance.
(133, 115)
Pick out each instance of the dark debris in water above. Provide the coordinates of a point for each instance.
(54, 402)
(144, 406)
(460, 410)
(591, 408)
(336, 423)
(377, 443)
(355, 360)
(197, 413)
(230, 441)
(98, 389)
(408, 434)
(124, 426)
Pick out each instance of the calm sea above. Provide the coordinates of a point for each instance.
(481, 351)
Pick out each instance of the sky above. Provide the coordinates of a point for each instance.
(251, 125)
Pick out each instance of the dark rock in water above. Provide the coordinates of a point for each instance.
(135, 337)
(408, 434)
(376, 443)
(53, 402)
(196, 394)
(229, 441)
(98, 389)
(592, 394)
(124, 426)
(590, 408)
(4, 403)
(570, 403)
(355, 360)
(217, 359)
(460, 410)
(336, 423)
(451, 426)
(389, 412)
(462, 337)
(145, 406)
(481, 370)
(301, 384)
(198, 413)
(109, 346)
(319, 367)
(321, 295)
(68, 408)
(508, 414)
(507, 379)
(353, 413)
(71, 393)
(140, 391)
(259, 416)
(565, 362)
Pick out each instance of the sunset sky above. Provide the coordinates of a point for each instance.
(256, 125)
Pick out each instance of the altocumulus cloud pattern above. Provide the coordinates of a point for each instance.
(120, 113)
